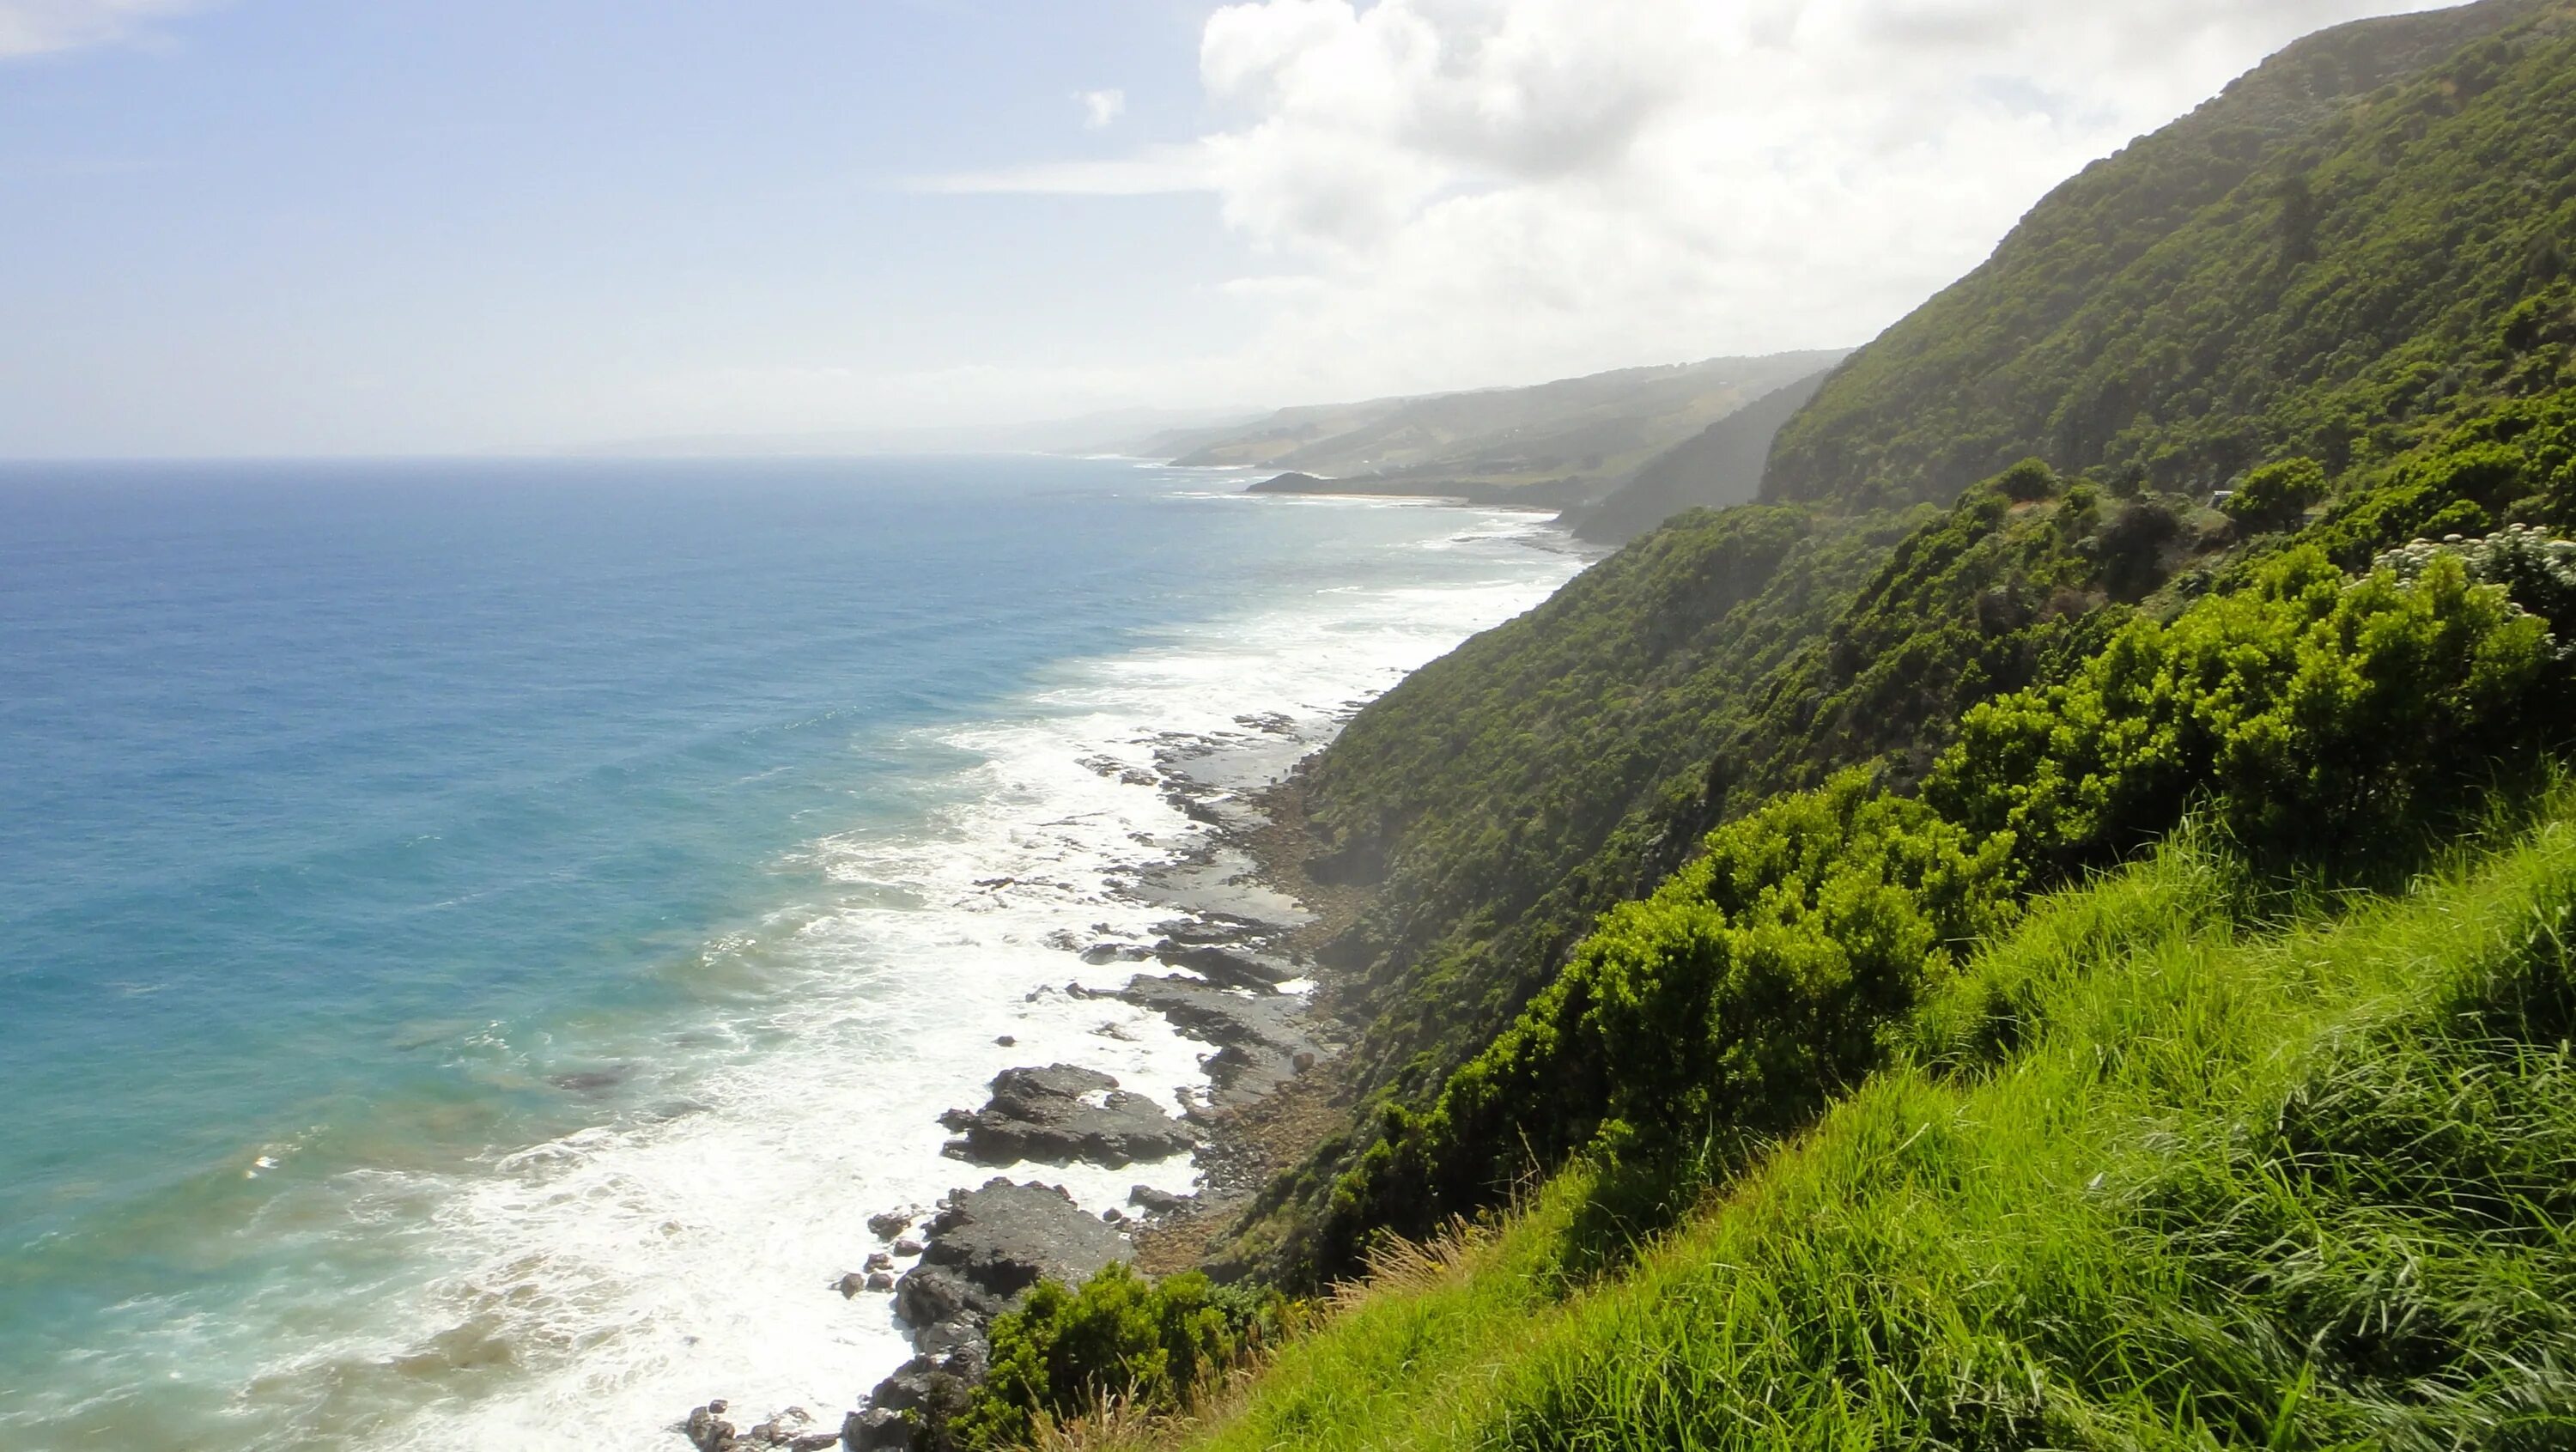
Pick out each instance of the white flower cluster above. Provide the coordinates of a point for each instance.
(2537, 570)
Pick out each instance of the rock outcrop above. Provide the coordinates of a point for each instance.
(1063, 1113)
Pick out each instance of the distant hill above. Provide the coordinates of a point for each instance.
(1569, 442)
(1719, 466)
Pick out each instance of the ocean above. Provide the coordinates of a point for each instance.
(478, 940)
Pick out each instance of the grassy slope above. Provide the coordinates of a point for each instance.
(2299, 1184)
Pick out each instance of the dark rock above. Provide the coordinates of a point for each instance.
(922, 1385)
(991, 1244)
(876, 1430)
(850, 1284)
(890, 1224)
(1113, 1215)
(1159, 1202)
(1258, 1037)
(879, 1260)
(792, 1429)
(1099, 953)
(930, 1293)
(943, 1337)
(882, 1280)
(907, 1246)
(1045, 1115)
(1229, 967)
(1006, 1041)
(706, 1429)
(592, 1081)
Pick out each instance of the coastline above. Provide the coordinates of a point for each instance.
(1221, 947)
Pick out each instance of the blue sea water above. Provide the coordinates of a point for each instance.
(474, 938)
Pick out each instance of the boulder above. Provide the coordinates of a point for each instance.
(891, 1224)
(1229, 967)
(1063, 1113)
(876, 1430)
(706, 1429)
(991, 1244)
(1159, 1202)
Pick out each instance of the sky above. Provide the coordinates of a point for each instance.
(291, 227)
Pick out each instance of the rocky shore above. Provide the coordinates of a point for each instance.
(1233, 975)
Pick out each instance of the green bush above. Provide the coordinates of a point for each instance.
(1151, 1343)
(2277, 494)
(2312, 714)
(1757, 981)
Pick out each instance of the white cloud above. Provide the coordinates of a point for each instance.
(34, 27)
(1099, 108)
(1481, 190)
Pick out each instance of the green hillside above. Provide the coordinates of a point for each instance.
(2314, 263)
(1505, 796)
(1717, 468)
(2047, 932)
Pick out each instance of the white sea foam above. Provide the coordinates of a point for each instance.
(608, 1279)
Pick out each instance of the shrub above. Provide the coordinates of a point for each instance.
(2277, 494)
(1757, 981)
(1151, 1343)
(2313, 714)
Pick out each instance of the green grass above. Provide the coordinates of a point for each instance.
(2176, 1164)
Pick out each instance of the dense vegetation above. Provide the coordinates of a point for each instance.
(2172, 1165)
(1506, 796)
(2316, 721)
(2001, 887)
(2313, 263)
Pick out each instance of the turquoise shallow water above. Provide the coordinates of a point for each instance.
(473, 936)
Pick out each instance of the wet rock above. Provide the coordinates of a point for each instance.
(927, 1387)
(1159, 1202)
(943, 1337)
(1062, 1113)
(592, 1081)
(876, 1430)
(1258, 1037)
(907, 1246)
(879, 1260)
(991, 1244)
(1006, 1041)
(706, 1429)
(891, 1224)
(1229, 967)
(793, 1429)
(927, 1294)
(881, 1280)
(1099, 953)
(851, 1284)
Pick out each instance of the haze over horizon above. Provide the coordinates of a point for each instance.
(280, 227)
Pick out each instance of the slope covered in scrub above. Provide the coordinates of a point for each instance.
(1502, 798)
(2316, 262)
(2052, 931)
